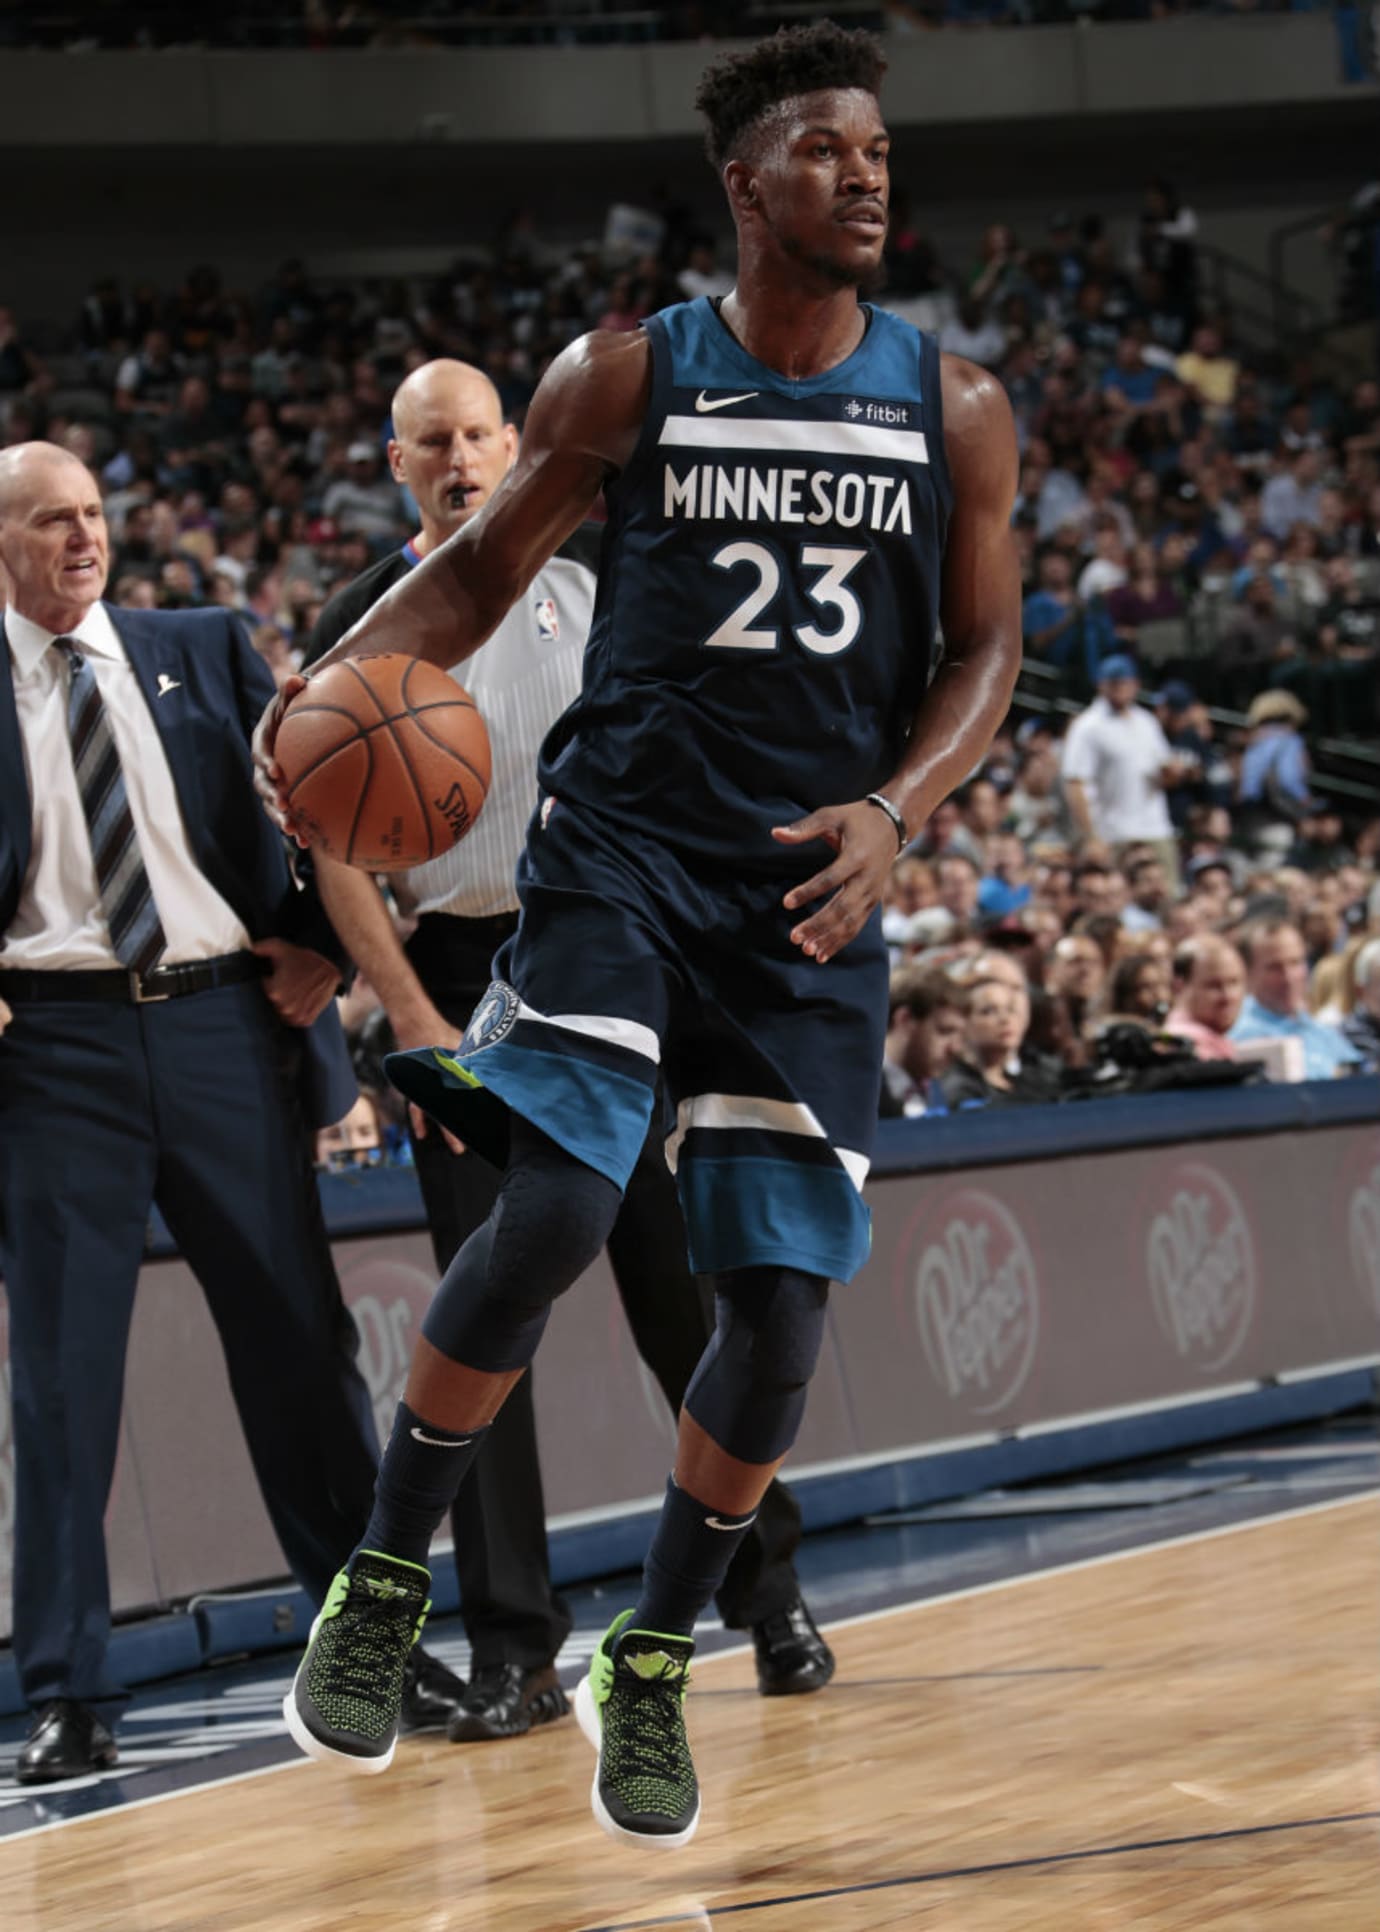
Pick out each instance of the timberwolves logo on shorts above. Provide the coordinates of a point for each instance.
(492, 1020)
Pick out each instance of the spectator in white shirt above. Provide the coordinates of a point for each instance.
(973, 334)
(1116, 764)
(1107, 570)
(1294, 495)
(701, 276)
(365, 500)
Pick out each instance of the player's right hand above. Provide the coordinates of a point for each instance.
(268, 773)
(425, 1027)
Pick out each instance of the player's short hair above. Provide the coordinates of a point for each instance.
(739, 88)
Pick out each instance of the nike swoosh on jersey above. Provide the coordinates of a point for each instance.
(712, 1522)
(703, 404)
(442, 1442)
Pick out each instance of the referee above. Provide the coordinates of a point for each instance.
(451, 448)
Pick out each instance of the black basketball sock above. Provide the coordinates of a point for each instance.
(422, 1468)
(692, 1548)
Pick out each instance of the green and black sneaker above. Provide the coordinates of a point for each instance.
(346, 1698)
(631, 1707)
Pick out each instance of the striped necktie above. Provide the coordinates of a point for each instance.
(136, 931)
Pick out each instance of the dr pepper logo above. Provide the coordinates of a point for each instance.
(1363, 1227)
(1200, 1264)
(976, 1300)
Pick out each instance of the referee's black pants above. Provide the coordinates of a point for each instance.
(510, 1611)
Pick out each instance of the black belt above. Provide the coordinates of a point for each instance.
(133, 989)
(495, 926)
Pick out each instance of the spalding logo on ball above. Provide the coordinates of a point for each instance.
(385, 761)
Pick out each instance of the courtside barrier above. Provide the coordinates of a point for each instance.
(1050, 1288)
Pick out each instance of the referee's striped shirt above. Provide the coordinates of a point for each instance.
(522, 679)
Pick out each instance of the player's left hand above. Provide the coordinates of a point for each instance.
(268, 773)
(864, 843)
(301, 983)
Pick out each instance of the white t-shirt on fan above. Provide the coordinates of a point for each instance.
(1118, 756)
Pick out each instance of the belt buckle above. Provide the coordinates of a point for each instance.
(137, 993)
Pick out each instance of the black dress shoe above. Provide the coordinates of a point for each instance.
(792, 1657)
(68, 1740)
(504, 1700)
(431, 1693)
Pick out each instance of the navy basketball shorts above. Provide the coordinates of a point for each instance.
(625, 967)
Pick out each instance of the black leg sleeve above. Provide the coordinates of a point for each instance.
(670, 1314)
(498, 1520)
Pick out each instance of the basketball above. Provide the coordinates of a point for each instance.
(386, 761)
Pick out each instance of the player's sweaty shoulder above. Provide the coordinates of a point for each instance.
(595, 395)
(979, 431)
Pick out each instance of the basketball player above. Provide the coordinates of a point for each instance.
(799, 489)
(452, 449)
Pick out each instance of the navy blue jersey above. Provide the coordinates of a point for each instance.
(768, 594)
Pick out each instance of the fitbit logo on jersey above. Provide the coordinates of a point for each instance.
(893, 414)
(713, 492)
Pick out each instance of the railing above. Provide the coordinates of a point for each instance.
(1346, 769)
(1317, 235)
(1267, 311)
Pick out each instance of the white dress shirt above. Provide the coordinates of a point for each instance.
(59, 925)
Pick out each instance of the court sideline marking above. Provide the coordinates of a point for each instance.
(1032, 1863)
(739, 1650)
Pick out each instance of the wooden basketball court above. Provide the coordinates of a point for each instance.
(1184, 1736)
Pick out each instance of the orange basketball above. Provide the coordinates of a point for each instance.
(386, 761)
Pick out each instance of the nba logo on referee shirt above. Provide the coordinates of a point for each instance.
(548, 624)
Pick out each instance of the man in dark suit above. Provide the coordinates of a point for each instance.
(171, 1038)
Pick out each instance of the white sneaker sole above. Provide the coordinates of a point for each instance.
(587, 1716)
(312, 1746)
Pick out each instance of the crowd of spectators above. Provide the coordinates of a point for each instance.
(1195, 524)
(1084, 917)
(1143, 894)
(331, 24)
(1180, 497)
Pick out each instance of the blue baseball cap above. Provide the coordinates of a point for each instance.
(1118, 665)
(1177, 695)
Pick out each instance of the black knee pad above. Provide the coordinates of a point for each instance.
(551, 1218)
(748, 1392)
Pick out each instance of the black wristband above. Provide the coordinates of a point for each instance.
(885, 805)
